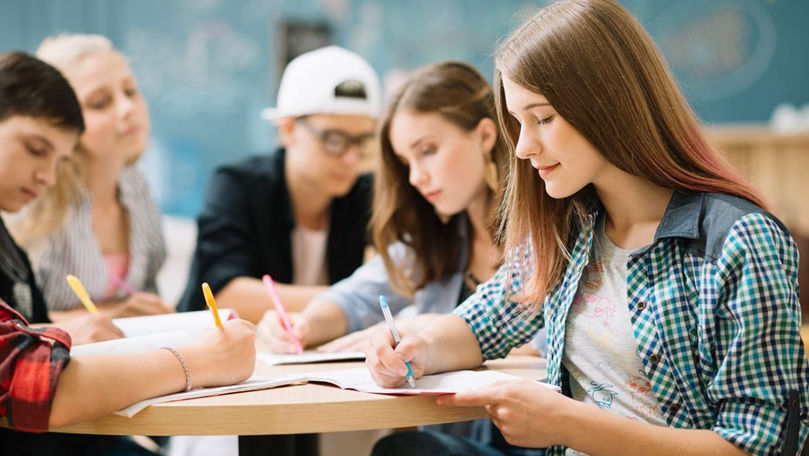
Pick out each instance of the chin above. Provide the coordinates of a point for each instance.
(11, 206)
(341, 189)
(557, 193)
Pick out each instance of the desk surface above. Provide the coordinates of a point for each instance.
(297, 409)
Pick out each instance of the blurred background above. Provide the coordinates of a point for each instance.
(208, 67)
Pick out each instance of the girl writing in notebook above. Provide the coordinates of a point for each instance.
(99, 221)
(436, 194)
(40, 385)
(437, 189)
(669, 294)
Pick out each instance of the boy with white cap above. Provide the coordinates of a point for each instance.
(300, 213)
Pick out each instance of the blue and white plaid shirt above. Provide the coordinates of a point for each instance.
(714, 307)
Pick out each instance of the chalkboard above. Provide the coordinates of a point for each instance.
(208, 67)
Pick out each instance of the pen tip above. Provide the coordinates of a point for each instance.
(411, 382)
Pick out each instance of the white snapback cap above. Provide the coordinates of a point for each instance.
(329, 80)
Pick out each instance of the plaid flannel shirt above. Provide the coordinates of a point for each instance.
(713, 302)
(30, 366)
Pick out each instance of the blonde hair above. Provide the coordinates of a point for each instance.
(47, 213)
(603, 74)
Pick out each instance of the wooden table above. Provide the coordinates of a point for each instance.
(296, 409)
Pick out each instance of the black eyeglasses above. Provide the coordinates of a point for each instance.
(335, 142)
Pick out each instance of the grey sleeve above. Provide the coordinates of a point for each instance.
(358, 295)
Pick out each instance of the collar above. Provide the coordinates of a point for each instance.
(682, 216)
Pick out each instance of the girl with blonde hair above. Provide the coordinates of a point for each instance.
(99, 221)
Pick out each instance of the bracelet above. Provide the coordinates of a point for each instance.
(185, 366)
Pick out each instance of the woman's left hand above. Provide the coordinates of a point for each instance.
(527, 413)
(356, 341)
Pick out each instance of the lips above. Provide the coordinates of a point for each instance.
(29, 194)
(130, 131)
(432, 196)
(545, 170)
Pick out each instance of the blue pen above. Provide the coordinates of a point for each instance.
(389, 318)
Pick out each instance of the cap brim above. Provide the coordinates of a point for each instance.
(271, 114)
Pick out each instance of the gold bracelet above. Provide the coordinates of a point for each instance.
(185, 366)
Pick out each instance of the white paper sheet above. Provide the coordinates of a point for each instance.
(274, 359)
(183, 321)
(446, 383)
(355, 379)
(253, 383)
(146, 342)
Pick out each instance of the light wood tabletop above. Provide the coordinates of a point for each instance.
(310, 408)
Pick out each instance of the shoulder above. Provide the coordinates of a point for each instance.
(268, 167)
(726, 216)
(363, 188)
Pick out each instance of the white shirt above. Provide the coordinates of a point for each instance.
(309, 256)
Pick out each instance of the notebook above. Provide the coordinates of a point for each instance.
(154, 331)
(354, 379)
(308, 356)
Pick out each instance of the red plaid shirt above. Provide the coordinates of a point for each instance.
(30, 363)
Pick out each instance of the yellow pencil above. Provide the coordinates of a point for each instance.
(78, 288)
(206, 290)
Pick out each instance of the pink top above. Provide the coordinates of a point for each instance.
(117, 267)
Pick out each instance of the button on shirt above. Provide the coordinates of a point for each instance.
(718, 334)
(600, 346)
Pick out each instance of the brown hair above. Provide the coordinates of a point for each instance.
(603, 74)
(462, 96)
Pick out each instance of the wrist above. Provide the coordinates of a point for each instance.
(196, 362)
(570, 420)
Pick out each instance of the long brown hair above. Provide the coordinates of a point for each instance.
(462, 96)
(603, 74)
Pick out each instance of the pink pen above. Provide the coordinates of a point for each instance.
(123, 285)
(270, 285)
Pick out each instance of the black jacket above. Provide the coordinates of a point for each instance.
(39, 311)
(244, 229)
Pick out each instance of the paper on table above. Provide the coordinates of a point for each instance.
(447, 383)
(354, 379)
(135, 344)
(185, 321)
(274, 359)
(253, 383)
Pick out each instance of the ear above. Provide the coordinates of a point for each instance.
(286, 131)
(487, 134)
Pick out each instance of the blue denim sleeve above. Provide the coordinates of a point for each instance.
(358, 294)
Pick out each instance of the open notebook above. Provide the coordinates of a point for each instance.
(354, 379)
(308, 356)
(153, 331)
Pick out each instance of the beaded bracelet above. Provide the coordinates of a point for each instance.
(185, 366)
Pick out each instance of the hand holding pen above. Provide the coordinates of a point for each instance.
(408, 374)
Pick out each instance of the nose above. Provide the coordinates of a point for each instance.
(527, 145)
(417, 176)
(125, 105)
(353, 156)
(46, 175)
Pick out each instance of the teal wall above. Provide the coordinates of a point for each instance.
(208, 67)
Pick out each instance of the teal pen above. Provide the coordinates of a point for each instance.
(389, 319)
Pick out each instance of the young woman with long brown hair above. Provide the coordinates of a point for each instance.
(437, 188)
(669, 294)
(435, 198)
